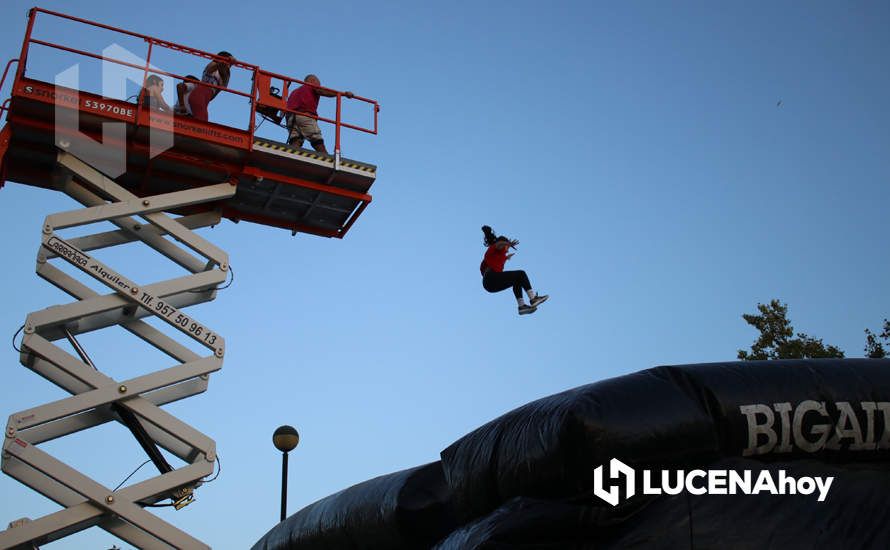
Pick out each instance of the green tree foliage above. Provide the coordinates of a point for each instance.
(874, 348)
(777, 339)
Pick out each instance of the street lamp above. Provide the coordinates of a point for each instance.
(285, 440)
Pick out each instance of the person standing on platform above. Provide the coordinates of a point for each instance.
(302, 126)
(495, 279)
(183, 90)
(194, 98)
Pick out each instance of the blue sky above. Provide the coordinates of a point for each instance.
(637, 151)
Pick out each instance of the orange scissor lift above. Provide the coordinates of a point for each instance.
(156, 177)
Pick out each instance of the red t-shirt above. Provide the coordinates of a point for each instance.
(494, 259)
(305, 99)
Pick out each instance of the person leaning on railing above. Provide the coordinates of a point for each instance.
(152, 94)
(193, 99)
(305, 100)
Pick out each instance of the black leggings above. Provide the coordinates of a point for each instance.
(496, 282)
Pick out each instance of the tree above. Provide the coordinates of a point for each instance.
(776, 339)
(874, 348)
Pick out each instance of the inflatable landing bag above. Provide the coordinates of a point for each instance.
(404, 510)
(774, 410)
(526, 480)
(852, 516)
(830, 409)
(549, 447)
(549, 524)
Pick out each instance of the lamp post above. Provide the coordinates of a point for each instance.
(285, 440)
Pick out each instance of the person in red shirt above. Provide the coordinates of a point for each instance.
(495, 279)
(305, 126)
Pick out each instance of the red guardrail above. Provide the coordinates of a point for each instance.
(3, 107)
(260, 87)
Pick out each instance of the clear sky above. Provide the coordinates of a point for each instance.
(637, 151)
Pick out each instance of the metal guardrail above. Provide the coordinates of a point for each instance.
(258, 95)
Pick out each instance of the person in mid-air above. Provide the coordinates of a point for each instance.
(495, 279)
(304, 126)
(193, 99)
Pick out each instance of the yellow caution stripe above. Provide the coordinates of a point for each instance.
(312, 155)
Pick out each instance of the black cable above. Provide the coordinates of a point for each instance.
(16, 335)
(265, 118)
(169, 504)
(129, 476)
(229, 282)
(218, 470)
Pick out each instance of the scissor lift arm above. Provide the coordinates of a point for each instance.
(96, 398)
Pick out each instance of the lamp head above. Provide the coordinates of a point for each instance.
(285, 438)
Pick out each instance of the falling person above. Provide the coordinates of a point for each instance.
(495, 279)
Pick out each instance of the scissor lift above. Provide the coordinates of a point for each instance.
(206, 172)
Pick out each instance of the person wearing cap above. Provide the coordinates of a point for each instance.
(303, 125)
(193, 99)
(495, 279)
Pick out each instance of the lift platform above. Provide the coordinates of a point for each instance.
(157, 177)
(276, 184)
